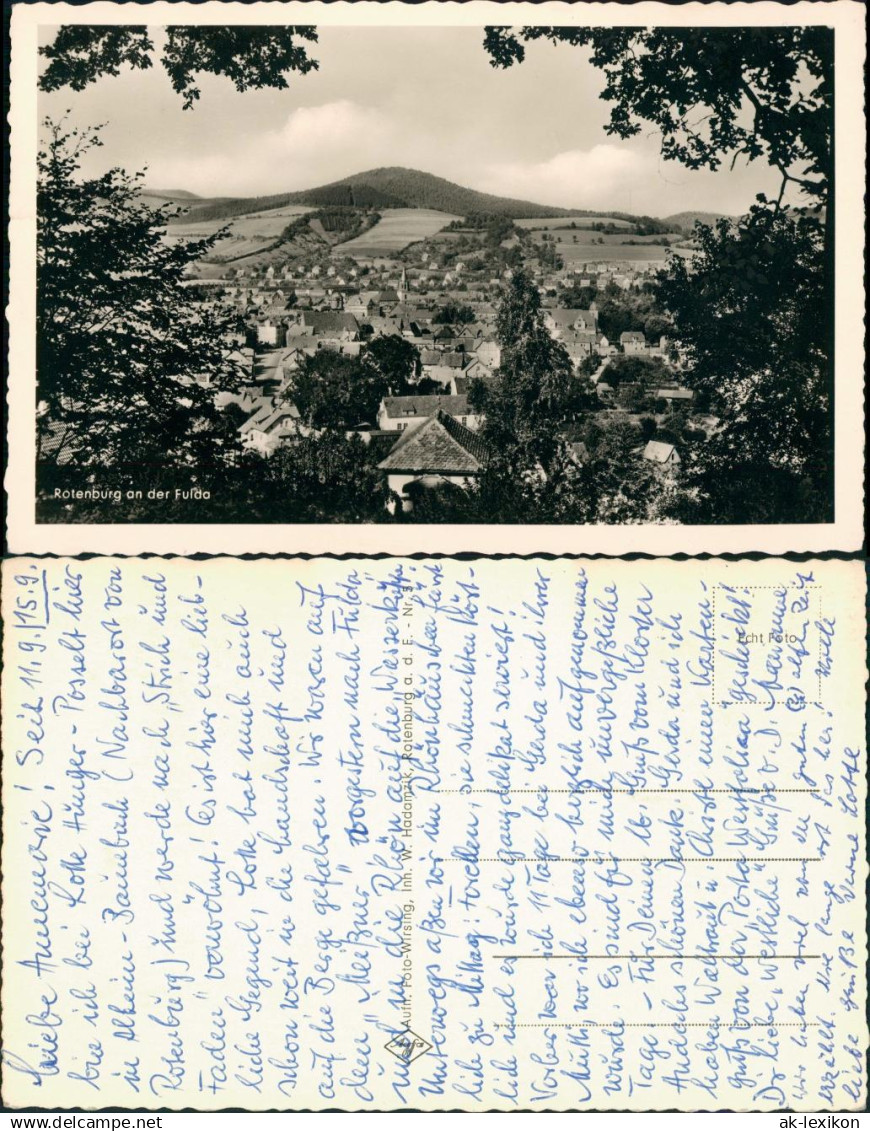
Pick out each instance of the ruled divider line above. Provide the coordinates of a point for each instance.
(656, 1025)
(662, 957)
(626, 859)
(698, 789)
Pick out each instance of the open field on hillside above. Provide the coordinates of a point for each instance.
(546, 222)
(248, 234)
(585, 252)
(578, 247)
(396, 229)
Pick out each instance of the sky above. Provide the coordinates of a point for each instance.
(424, 98)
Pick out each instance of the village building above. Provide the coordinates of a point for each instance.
(476, 368)
(271, 333)
(326, 325)
(363, 306)
(269, 427)
(561, 320)
(439, 449)
(397, 414)
(676, 393)
(633, 342)
(662, 454)
(489, 353)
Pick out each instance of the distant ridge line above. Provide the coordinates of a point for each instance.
(389, 187)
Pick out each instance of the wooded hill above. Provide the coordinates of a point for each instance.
(383, 189)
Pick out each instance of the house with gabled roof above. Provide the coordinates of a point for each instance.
(675, 393)
(384, 326)
(461, 383)
(562, 320)
(397, 414)
(338, 325)
(269, 427)
(662, 454)
(477, 368)
(363, 305)
(437, 450)
(489, 352)
(633, 342)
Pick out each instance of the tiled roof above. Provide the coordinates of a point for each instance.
(323, 321)
(398, 407)
(267, 417)
(385, 325)
(566, 316)
(658, 452)
(675, 394)
(439, 445)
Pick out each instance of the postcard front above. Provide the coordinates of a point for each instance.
(281, 283)
(434, 835)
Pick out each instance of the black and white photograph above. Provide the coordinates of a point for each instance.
(500, 274)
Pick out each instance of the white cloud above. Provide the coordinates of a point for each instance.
(316, 144)
(317, 136)
(595, 178)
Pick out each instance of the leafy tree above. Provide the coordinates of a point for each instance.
(620, 310)
(548, 256)
(631, 368)
(647, 428)
(329, 393)
(334, 391)
(321, 478)
(633, 397)
(625, 483)
(128, 359)
(508, 492)
(453, 312)
(428, 386)
(393, 361)
(750, 317)
(534, 387)
(656, 326)
(252, 57)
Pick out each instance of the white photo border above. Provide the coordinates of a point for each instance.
(844, 534)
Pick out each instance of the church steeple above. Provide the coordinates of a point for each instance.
(403, 286)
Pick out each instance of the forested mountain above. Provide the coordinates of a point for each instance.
(385, 188)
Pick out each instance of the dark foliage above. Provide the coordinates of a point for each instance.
(751, 315)
(252, 57)
(128, 358)
(333, 391)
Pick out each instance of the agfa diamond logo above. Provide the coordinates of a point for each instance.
(407, 1046)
